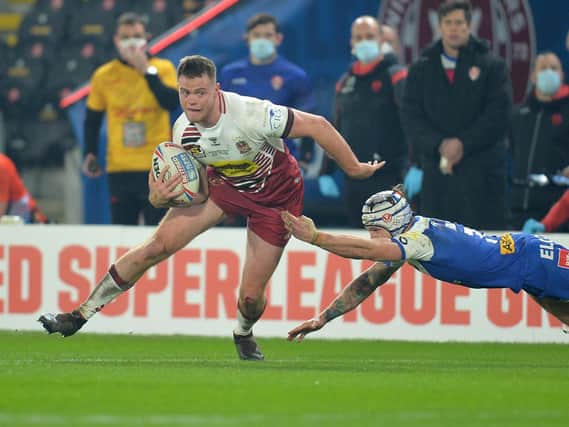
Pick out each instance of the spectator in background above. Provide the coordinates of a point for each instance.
(136, 92)
(390, 41)
(456, 111)
(555, 218)
(265, 74)
(539, 139)
(14, 197)
(366, 106)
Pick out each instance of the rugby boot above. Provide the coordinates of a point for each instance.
(247, 347)
(64, 323)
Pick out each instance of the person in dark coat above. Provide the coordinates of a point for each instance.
(456, 110)
(539, 140)
(366, 113)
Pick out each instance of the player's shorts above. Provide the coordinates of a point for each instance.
(262, 209)
(547, 273)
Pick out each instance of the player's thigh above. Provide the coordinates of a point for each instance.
(261, 260)
(181, 225)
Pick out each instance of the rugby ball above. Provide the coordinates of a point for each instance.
(182, 162)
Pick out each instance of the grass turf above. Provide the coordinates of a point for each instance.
(114, 380)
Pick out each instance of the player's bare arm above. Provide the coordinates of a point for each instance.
(350, 297)
(378, 249)
(325, 135)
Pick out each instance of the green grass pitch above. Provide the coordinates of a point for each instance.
(126, 380)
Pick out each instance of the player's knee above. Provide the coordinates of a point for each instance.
(252, 305)
(250, 300)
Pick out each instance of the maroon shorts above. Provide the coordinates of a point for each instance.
(262, 209)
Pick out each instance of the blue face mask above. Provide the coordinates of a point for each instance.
(548, 82)
(366, 51)
(262, 49)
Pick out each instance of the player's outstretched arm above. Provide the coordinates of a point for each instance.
(350, 297)
(377, 249)
(325, 135)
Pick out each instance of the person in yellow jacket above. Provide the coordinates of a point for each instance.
(136, 92)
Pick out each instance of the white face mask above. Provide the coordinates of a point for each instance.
(386, 48)
(366, 51)
(132, 43)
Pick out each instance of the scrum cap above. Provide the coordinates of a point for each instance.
(389, 210)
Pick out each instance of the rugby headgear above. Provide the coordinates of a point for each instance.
(389, 210)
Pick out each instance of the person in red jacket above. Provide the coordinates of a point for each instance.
(14, 197)
(557, 215)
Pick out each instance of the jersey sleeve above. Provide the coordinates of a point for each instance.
(414, 245)
(267, 120)
(96, 99)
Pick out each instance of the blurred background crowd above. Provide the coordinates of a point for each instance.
(473, 116)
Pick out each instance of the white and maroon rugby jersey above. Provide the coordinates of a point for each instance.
(245, 146)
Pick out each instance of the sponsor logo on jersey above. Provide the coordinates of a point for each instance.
(506, 24)
(507, 245)
(233, 169)
(195, 150)
(563, 260)
(243, 147)
(275, 118)
(217, 153)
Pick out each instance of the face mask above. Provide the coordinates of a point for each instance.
(132, 42)
(548, 82)
(366, 51)
(386, 48)
(262, 49)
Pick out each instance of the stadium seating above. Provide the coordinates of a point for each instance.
(45, 22)
(160, 15)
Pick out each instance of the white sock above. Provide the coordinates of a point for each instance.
(244, 325)
(106, 291)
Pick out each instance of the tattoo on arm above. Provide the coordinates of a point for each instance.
(358, 290)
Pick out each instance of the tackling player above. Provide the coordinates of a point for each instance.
(250, 173)
(517, 261)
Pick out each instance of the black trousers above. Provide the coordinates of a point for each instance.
(129, 199)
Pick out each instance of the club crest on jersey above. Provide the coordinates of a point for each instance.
(195, 150)
(243, 147)
(563, 260)
(506, 24)
(376, 85)
(387, 217)
(277, 82)
(507, 244)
